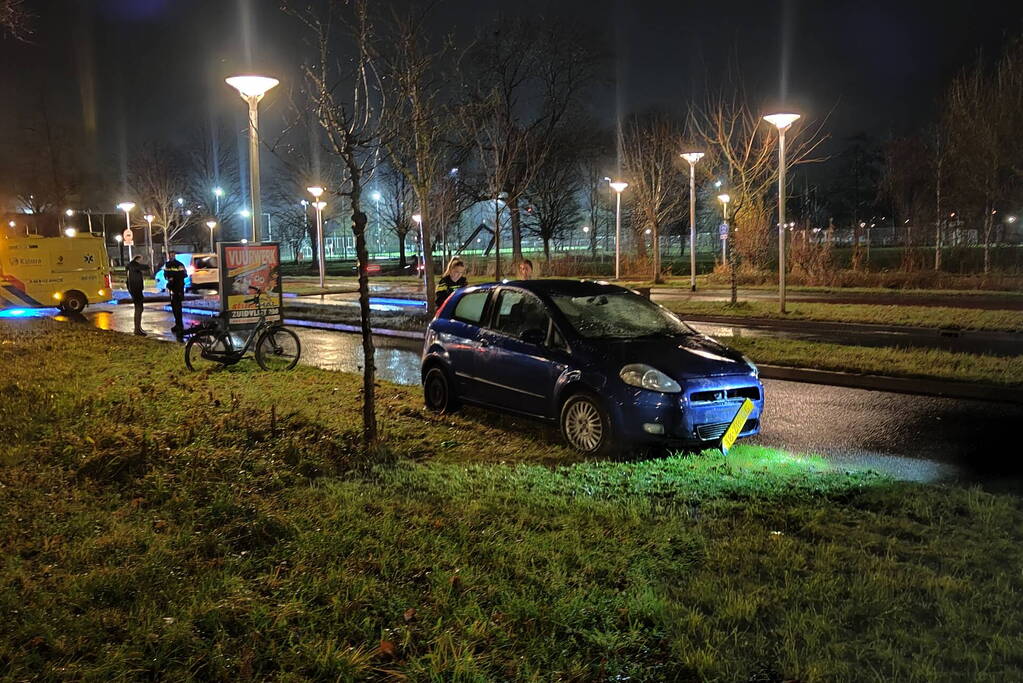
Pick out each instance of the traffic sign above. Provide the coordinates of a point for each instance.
(129, 237)
(723, 231)
(738, 422)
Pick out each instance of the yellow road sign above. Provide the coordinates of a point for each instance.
(738, 422)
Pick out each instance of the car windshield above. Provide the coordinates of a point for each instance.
(618, 315)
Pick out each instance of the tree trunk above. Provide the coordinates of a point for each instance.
(656, 246)
(369, 418)
(516, 229)
(547, 249)
(988, 224)
(937, 222)
(427, 248)
(401, 251)
(315, 260)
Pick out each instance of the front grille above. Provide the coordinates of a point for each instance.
(752, 393)
(712, 432)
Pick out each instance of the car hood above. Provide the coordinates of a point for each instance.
(681, 357)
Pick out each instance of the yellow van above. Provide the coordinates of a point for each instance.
(69, 272)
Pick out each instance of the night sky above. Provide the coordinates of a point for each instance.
(154, 69)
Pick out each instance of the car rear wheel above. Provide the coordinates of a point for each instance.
(438, 393)
(587, 427)
(73, 302)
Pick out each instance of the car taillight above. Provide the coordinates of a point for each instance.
(373, 268)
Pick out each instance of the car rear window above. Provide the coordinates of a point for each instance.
(470, 307)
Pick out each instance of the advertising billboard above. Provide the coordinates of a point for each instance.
(250, 282)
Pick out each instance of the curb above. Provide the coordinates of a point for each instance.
(898, 385)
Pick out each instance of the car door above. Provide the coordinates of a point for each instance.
(517, 365)
(460, 337)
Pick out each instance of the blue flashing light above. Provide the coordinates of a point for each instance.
(396, 302)
(28, 312)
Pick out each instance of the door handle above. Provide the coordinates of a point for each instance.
(484, 343)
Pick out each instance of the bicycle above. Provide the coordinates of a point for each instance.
(210, 344)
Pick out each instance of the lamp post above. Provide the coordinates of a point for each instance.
(120, 247)
(782, 122)
(618, 187)
(692, 158)
(211, 224)
(246, 214)
(252, 89)
(724, 199)
(149, 218)
(126, 207)
(316, 191)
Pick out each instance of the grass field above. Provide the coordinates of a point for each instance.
(912, 316)
(226, 527)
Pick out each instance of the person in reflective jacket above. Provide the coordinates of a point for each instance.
(452, 279)
(175, 273)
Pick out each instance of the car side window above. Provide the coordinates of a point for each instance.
(470, 307)
(519, 311)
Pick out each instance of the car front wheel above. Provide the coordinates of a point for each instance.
(587, 427)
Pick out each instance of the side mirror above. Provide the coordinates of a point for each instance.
(534, 336)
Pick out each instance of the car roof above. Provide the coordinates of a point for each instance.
(565, 287)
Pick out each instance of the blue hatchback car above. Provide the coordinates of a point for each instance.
(612, 368)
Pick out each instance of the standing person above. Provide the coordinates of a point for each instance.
(136, 283)
(525, 269)
(453, 278)
(175, 273)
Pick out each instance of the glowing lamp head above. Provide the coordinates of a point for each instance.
(418, 218)
(375, 196)
(724, 198)
(126, 206)
(1008, 219)
(619, 186)
(781, 121)
(218, 191)
(319, 206)
(315, 191)
(245, 213)
(11, 224)
(70, 232)
(118, 239)
(252, 86)
(586, 228)
(692, 157)
(69, 213)
(211, 224)
(149, 218)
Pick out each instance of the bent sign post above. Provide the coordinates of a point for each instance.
(734, 429)
(250, 282)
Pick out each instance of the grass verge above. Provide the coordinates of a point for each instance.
(225, 527)
(912, 316)
(887, 361)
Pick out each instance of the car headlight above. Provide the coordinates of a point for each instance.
(646, 377)
(752, 366)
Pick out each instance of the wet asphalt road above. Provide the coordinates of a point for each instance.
(912, 437)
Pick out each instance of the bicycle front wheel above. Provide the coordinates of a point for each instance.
(278, 349)
(203, 351)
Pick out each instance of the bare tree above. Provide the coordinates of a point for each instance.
(744, 150)
(523, 80)
(344, 89)
(159, 181)
(553, 195)
(15, 19)
(212, 164)
(397, 204)
(650, 159)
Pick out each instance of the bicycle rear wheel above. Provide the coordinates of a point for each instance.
(202, 351)
(278, 349)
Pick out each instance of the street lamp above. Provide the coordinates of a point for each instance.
(618, 187)
(149, 218)
(126, 207)
(70, 232)
(692, 158)
(724, 199)
(211, 224)
(252, 89)
(316, 191)
(782, 122)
